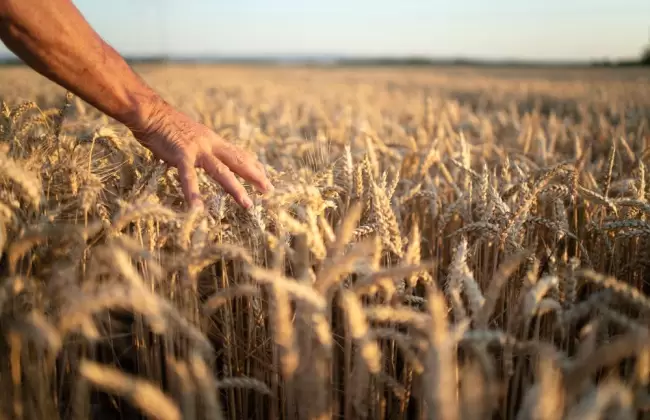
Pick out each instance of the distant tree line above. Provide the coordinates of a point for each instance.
(645, 57)
(643, 60)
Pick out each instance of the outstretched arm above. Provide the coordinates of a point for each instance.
(53, 38)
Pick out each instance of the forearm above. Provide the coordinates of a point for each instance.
(53, 38)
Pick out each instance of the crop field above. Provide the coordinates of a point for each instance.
(444, 243)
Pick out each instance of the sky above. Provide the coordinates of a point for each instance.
(484, 29)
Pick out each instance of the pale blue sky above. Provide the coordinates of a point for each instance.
(522, 29)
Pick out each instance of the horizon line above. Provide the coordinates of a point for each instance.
(351, 59)
(349, 56)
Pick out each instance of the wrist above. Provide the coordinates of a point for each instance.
(146, 114)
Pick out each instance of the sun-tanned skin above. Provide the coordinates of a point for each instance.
(53, 38)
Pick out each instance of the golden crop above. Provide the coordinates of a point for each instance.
(448, 244)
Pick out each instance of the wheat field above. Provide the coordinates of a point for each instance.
(449, 243)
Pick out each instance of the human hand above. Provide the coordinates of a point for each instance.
(186, 144)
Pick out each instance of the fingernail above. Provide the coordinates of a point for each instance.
(268, 187)
(247, 203)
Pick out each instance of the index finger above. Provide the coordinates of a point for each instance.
(190, 184)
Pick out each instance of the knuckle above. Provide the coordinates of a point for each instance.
(220, 169)
(239, 155)
(189, 151)
(214, 167)
(187, 162)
